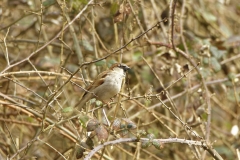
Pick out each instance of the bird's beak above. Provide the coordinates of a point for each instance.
(126, 68)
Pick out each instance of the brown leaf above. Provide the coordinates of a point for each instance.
(101, 133)
(116, 124)
(129, 124)
(124, 10)
(118, 17)
(92, 124)
(127, 9)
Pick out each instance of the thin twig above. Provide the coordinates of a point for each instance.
(46, 44)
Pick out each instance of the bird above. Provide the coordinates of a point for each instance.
(106, 85)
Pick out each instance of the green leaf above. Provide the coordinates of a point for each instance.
(231, 76)
(146, 74)
(209, 17)
(101, 63)
(48, 3)
(205, 60)
(67, 109)
(225, 151)
(215, 64)
(99, 103)
(145, 144)
(114, 8)
(111, 62)
(205, 72)
(83, 120)
(231, 96)
(87, 45)
(137, 56)
(216, 52)
(30, 119)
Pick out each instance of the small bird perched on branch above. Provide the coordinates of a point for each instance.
(106, 85)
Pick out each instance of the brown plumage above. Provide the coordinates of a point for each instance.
(106, 85)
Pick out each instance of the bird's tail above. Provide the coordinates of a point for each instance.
(82, 103)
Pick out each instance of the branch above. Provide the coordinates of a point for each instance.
(160, 141)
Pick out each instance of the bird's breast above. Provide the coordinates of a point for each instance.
(110, 87)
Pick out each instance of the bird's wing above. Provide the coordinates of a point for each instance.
(88, 93)
(97, 82)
